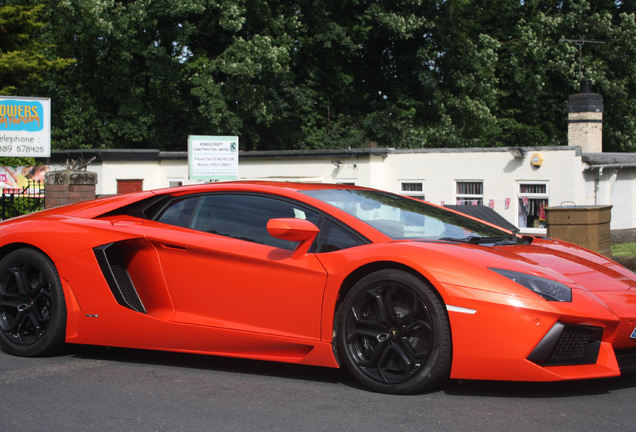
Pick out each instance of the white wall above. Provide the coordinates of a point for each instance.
(499, 171)
(562, 169)
(622, 185)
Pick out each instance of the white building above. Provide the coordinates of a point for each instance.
(517, 182)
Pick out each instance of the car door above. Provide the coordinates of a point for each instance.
(226, 271)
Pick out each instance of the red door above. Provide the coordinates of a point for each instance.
(126, 186)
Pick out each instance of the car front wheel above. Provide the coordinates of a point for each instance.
(32, 307)
(393, 334)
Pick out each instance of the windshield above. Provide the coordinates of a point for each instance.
(404, 218)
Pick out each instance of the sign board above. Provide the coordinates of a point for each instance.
(213, 157)
(25, 127)
(23, 178)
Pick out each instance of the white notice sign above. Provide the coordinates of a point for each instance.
(213, 157)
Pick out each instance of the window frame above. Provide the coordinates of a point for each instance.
(531, 196)
(318, 245)
(469, 198)
(417, 194)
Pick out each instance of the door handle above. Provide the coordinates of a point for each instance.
(174, 247)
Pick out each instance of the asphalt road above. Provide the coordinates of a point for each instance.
(100, 389)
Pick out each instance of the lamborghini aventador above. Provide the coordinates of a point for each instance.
(403, 293)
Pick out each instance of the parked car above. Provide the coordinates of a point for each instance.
(403, 293)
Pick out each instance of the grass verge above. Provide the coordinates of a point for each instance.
(624, 249)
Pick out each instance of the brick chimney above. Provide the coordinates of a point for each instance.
(585, 119)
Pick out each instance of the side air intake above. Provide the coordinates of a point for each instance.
(568, 344)
(114, 271)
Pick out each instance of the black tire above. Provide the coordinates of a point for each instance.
(32, 307)
(393, 334)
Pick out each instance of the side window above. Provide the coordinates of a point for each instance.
(245, 217)
(179, 213)
(333, 237)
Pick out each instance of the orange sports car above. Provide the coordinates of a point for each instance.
(403, 293)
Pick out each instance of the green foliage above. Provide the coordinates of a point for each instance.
(23, 55)
(17, 161)
(313, 74)
(15, 205)
(624, 250)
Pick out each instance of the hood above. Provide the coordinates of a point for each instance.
(592, 271)
(551, 259)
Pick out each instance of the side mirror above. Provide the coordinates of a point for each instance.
(293, 229)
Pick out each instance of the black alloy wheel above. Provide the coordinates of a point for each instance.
(393, 333)
(32, 308)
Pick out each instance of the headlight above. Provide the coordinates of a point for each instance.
(546, 288)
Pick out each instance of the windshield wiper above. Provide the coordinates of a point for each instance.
(496, 241)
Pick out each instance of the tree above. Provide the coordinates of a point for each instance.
(309, 74)
(612, 69)
(242, 76)
(504, 76)
(125, 89)
(23, 53)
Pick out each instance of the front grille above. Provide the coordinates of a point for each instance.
(571, 343)
(568, 344)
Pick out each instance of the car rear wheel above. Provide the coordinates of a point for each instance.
(393, 333)
(32, 308)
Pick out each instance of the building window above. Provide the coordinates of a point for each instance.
(469, 193)
(412, 189)
(533, 199)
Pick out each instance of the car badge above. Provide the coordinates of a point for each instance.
(633, 336)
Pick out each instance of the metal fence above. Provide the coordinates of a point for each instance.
(19, 201)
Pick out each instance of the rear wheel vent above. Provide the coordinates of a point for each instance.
(114, 270)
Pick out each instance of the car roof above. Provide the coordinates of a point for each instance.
(97, 207)
(255, 185)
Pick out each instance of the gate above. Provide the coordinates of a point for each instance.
(15, 201)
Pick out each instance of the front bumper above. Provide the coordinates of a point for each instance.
(521, 339)
(626, 359)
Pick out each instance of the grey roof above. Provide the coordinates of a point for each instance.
(155, 154)
(593, 160)
(100, 155)
(609, 159)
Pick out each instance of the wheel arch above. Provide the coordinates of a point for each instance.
(366, 270)
(41, 329)
(372, 267)
(8, 248)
